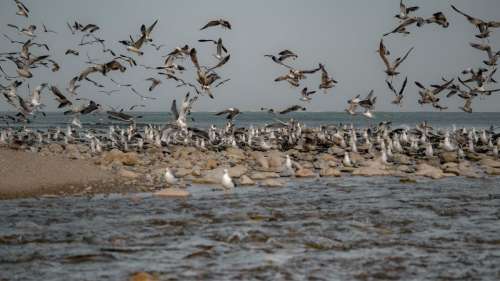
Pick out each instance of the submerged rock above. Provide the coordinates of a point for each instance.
(272, 183)
(330, 172)
(172, 193)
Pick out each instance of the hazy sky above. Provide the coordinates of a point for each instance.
(341, 34)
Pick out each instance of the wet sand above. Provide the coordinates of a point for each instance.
(26, 174)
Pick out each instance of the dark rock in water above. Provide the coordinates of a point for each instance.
(407, 180)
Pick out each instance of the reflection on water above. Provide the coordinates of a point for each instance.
(348, 228)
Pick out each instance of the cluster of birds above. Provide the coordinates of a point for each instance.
(477, 84)
(27, 60)
(33, 55)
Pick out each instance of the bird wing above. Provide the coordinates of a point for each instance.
(194, 58)
(173, 108)
(210, 24)
(221, 63)
(472, 20)
(382, 50)
(399, 61)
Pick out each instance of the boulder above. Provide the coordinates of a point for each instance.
(304, 173)
(261, 159)
(142, 276)
(235, 153)
(172, 193)
(372, 168)
(211, 164)
(272, 183)
(128, 159)
(246, 181)
(330, 172)
(264, 175)
(488, 162)
(128, 174)
(55, 148)
(429, 171)
(449, 157)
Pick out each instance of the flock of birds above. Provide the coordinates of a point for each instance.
(474, 83)
(280, 135)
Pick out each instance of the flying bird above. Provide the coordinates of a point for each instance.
(219, 22)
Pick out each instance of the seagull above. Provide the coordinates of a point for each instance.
(391, 69)
(327, 82)
(285, 54)
(483, 26)
(169, 177)
(46, 30)
(398, 95)
(292, 109)
(231, 113)
(368, 103)
(220, 47)
(492, 57)
(438, 18)
(135, 47)
(147, 31)
(227, 182)
(306, 94)
(63, 101)
(22, 10)
(72, 52)
(154, 82)
(405, 11)
(223, 23)
(353, 105)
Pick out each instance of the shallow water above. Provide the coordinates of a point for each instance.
(346, 228)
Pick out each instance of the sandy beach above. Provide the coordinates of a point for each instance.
(26, 174)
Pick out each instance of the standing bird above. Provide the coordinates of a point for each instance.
(169, 177)
(227, 182)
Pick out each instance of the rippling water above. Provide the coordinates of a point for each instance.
(346, 228)
(204, 119)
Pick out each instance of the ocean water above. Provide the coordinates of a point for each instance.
(334, 229)
(205, 119)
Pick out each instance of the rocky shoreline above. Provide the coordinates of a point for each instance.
(143, 171)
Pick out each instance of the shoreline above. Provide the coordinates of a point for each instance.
(71, 169)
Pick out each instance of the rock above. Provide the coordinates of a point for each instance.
(429, 171)
(304, 173)
(275, 161)
(356, 157)
(55, 148)
(449, 157)
(490, 163)
(401, 159)
(330, 172)
(172, 193)
(264, 175)
(128, 159)
(235, 153)
(237, 171)
(326, 157)
(142, 276)
(337, 151)
(211, 164)
(272, 183)
(261, 159)
(492, 171)
(466, 170)
(245, 181)
(472, 156)
(407, 180)
(206, 180)
(182, 172)
(372, 168)
(128, 174)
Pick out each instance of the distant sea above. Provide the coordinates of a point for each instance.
(311, 119)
